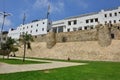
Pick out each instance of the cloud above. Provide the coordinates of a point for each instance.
(81, 3)
(55, 7)
(39, 4)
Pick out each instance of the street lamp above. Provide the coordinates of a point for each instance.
(4, 16)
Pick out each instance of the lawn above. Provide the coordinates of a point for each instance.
(18, 61)
(92, 71)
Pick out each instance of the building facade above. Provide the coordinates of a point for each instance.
(75, 23)
(36, 27)
(87, 21)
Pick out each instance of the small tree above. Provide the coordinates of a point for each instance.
(26, 39)
(8, 46)
(14, 49)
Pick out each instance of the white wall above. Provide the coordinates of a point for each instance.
(43, 25)
(34, 28)
(81, 20)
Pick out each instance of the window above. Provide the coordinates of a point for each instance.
(110, 14)
(31, 31)
(27, 27)
(87, 21)
(60, 29)
(75, 21)
(42, 29)
(26, 31)
(4, 38)
(37, 24)
(119, 20)
(85, 27)
(105, 15)
(68, 30)
(74, 29)
(105, 22)
(80, 28)
(35, 36)
(49, 23)
(22, 32)
(36, 30)
(31, 26)
(114, 21)
(112, 36)
(91, 20)
(110, 22)
(118, 27)
(115, 14)
(91, 27)
(119, 12)
(23, 27)
(96, 19)
(69, 22)
(43, 23)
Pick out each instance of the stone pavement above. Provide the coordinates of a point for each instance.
(8, 68)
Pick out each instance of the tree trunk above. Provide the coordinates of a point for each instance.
(3, 57)
(24, 52)
(8, 56)
(14, 54)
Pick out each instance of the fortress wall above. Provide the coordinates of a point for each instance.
(83, 35)
(87, 50)
(39, 38)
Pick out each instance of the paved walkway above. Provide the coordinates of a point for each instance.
(8, 68)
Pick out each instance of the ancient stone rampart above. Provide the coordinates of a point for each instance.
(50, 39)
(102, 33)
(86, 35)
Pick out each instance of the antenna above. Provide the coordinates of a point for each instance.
(24, 18)
(48, 12)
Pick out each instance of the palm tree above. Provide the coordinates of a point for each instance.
(26, 39)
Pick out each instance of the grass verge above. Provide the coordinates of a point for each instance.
(92, 71)
(18, 61)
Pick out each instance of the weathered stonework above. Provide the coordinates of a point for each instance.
(51, 40)
(104, 35)
(76, 36)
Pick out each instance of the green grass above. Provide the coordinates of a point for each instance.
(92, 71)
(18, 61)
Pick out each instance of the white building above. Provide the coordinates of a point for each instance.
(87, 21)
(36, 27)
(82, 22)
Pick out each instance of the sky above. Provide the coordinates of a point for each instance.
(59, 9)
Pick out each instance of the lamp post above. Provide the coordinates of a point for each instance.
(4, 16)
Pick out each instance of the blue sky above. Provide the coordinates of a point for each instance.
(60, 9)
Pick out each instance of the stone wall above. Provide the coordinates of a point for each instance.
(115, 31)
(85, 50)
(102, 34)
(51, 40)
(39, 38)
(83, 35)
